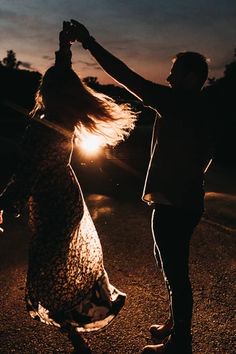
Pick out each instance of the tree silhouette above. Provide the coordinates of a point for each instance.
(10, 60)
(91, 81)
(230, 70)
(18, 88)
(221, 93)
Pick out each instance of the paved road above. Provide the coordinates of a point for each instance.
(124, 230)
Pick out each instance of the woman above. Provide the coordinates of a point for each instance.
(67, 285)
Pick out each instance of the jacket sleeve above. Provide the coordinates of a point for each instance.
(152, 94)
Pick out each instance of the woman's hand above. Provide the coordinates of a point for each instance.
(1, 220)
(66, 37)
(8, 207)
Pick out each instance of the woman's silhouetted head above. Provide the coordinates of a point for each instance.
(66, 100)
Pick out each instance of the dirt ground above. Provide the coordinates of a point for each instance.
(124, 229)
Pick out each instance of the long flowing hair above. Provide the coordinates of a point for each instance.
(67, 101)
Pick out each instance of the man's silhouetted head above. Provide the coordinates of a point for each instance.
(189, 71)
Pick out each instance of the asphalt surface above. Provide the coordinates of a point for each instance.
(124, 229)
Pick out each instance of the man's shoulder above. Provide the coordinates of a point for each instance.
(158, 96)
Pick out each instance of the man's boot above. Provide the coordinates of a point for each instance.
(169, 346)
(161, 331)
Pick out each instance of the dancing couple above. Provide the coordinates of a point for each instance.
(67, 284)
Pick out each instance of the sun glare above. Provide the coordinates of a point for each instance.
(91, 145)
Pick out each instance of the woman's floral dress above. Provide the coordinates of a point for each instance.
(66, 281)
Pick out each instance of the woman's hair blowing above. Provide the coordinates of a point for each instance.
(63, 97)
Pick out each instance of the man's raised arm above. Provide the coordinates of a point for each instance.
(118, 70)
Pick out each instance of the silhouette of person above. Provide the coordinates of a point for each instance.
(180, 155)
(67, 284)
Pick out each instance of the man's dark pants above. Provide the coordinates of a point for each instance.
(172, 229)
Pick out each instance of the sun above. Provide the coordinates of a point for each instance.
(91, 145)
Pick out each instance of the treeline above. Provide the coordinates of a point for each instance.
(221, 94)
(19, 86)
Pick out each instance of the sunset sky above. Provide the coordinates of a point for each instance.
(145, 34)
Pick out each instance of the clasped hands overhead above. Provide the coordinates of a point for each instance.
(73, 31)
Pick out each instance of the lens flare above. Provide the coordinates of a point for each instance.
(91, 144)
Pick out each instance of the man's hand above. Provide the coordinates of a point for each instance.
(80, 32)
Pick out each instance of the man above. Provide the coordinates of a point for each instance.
(174, 182)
